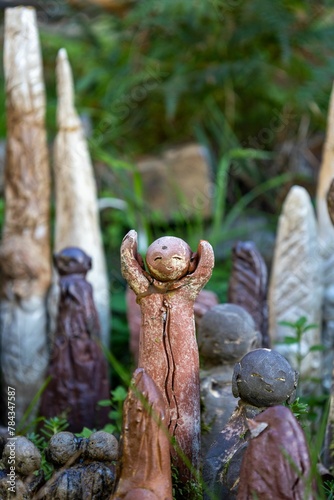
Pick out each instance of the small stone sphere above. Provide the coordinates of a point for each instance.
(264, 378)
(102, 446)
(226, 333)
(62, 446)
(168, 258)
(26, 455)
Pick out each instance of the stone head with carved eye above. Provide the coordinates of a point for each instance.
(263, 377)
(169, 259)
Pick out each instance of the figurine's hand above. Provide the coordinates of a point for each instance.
(200, 268)
(132, 265)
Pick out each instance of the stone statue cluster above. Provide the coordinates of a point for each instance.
(81, 468)
(55, 319)
(29, 294)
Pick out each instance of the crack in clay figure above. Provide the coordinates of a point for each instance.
(261, 379)
(226, 333)
(276, 463)
(248, 285)
(168, 350)
(78, 369)
(145, 471)
(205, 300)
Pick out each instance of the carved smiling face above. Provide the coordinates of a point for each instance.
(168, 258)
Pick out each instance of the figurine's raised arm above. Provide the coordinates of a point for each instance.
(204, 257)
(132, 265)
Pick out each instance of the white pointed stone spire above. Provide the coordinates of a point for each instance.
(77, 217)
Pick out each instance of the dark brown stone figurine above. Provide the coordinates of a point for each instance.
(168, 350)
(78, 370)
(248, 285)
(145, 472)
(276, 463)
(262, 378)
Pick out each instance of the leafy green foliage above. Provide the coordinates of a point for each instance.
(116, 401)
(299, 327)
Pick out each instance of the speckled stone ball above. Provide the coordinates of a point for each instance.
(62, 446)
(102, 446)
(263, 377)
(168, 258)
(27, 456)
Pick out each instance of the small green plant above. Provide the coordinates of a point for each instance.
(300, 327)
(299, 409)
(116, 401)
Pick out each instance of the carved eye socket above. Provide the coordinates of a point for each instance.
(157, 258)
(176, 257)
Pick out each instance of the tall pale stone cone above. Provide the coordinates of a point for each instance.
(296, 283)
(326, 244)
(77, 217)
(25, 249)
(326, 175)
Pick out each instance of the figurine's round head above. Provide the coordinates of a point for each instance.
(168, 258)
(263, 377)
(72, 260)
(225, 333)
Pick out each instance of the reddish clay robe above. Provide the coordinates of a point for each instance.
(168, 349)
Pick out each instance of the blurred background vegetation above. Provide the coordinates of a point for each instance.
(248, 79)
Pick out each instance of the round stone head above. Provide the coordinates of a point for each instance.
(169, 258)
(264, 378)
(226, 333)
(72, 260)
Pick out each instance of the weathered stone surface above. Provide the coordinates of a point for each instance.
(25, 259)
(248, 285)
(62, 446)
(296, 283)
(225, 334)
(21, 456)
(145, 469)
(168, 348)
(262, 378)
(78, 369)
(77, 217)
(27, 456)
(179, 178)
(276, 463)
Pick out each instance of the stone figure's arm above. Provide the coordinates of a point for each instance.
(201, 267)
(132, 265)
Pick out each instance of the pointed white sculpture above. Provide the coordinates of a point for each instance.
(296, 283)
(25, 248)
(77, 217)
(326, 244)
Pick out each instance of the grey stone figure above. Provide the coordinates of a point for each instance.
(225, 334)
(263, 378)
